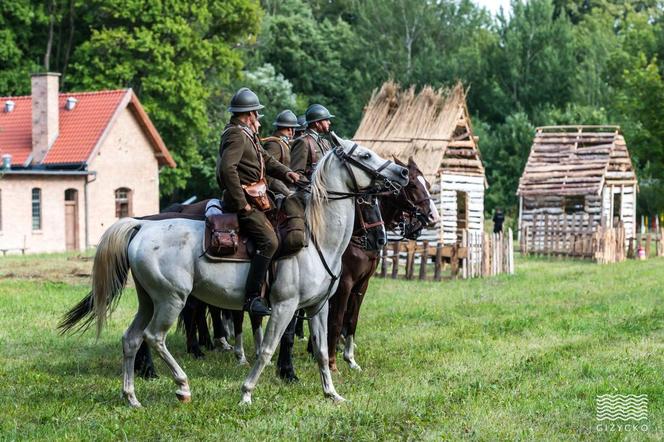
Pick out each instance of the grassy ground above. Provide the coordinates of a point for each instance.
(520, 357)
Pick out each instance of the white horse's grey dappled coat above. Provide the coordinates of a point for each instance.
(164, 257)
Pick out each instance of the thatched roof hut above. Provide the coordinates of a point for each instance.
(434, 127)
(583, 173)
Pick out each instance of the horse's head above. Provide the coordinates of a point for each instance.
(415, 202)
(366, 169)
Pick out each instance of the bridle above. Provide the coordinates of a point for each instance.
(411, 220)
(375, 188)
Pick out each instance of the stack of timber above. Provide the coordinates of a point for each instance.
(579, 171)
(433, 128)
(478, 255)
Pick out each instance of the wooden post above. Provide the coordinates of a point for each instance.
(454, 261)
(424, 260)
(395, 259)
(410, 259)
(464, 263)
(439, 262)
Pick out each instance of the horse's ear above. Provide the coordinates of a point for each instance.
(336, 139)
(411, 161)
(397, 161)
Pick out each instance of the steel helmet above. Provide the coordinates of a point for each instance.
(317, 112)
(244, 100)
(286, 118)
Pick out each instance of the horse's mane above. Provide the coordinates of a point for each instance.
(314, 211)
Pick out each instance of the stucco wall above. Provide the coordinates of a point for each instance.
(125, 159)
(16, 212)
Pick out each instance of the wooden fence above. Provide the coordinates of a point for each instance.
(489, 254)
(477, 255)
(651, 243)
(554, 236)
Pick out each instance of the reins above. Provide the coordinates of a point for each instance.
(345, 159)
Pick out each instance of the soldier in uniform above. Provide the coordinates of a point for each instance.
(302, 121)
(278, 145)
(243, 162)
(312, 145)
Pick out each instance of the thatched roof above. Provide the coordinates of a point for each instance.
(402, 123)
(576, 160)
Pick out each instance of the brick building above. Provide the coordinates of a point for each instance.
(73, 164)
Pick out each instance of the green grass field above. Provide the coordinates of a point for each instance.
(509, 358)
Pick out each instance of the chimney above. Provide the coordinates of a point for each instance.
(45, 115)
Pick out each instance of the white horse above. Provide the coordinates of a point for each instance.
(165, 260)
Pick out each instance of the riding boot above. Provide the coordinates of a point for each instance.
(253, 303)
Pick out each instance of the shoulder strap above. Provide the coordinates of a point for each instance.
(280, 142)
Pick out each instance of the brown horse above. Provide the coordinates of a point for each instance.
(409, 212)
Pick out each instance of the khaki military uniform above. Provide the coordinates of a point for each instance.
(240, 161)
(279, 148)
(307, 151)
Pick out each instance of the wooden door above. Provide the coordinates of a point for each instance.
(71, 220)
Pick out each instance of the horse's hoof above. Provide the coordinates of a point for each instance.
(183, 398)
(337, 398)
(355, 366)
(333, 367)
(132, 401)
(246, 399)
(242, 361)
(222, 344)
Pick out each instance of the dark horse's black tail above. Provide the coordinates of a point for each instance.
(83, 311)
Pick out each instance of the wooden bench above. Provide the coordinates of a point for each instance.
(22, 249)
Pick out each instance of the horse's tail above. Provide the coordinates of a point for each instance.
(109, 276)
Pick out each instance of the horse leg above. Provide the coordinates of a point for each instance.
(219, 330)
(285, 369)
(299, 325)
(335, 319)
(202, 326)
(318, 330)
(165, 315)
(131, 341)
(188, 316)
(238, 319)
(350, 324)
(257, 329)
(143, 365)
(282, 313)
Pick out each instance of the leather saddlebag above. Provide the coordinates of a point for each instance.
(222, 234)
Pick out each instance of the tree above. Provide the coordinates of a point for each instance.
(175, 55)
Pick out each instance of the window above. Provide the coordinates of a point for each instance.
(123, 202)
(71, 195)
(574, 204)
(36, 209)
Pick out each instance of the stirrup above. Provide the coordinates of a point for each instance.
(256, 307)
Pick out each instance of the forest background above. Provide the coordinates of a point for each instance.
(543, 62)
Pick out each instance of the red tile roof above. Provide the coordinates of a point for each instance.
(81, 129)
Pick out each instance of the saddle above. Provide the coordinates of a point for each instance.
(224, 240)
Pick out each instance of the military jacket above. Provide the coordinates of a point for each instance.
(279, 148)
(307, 151)
(240, 161)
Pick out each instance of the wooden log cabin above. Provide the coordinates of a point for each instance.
(432, 127)
(578, 177)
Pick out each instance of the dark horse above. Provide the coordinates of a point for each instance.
(408, 213)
